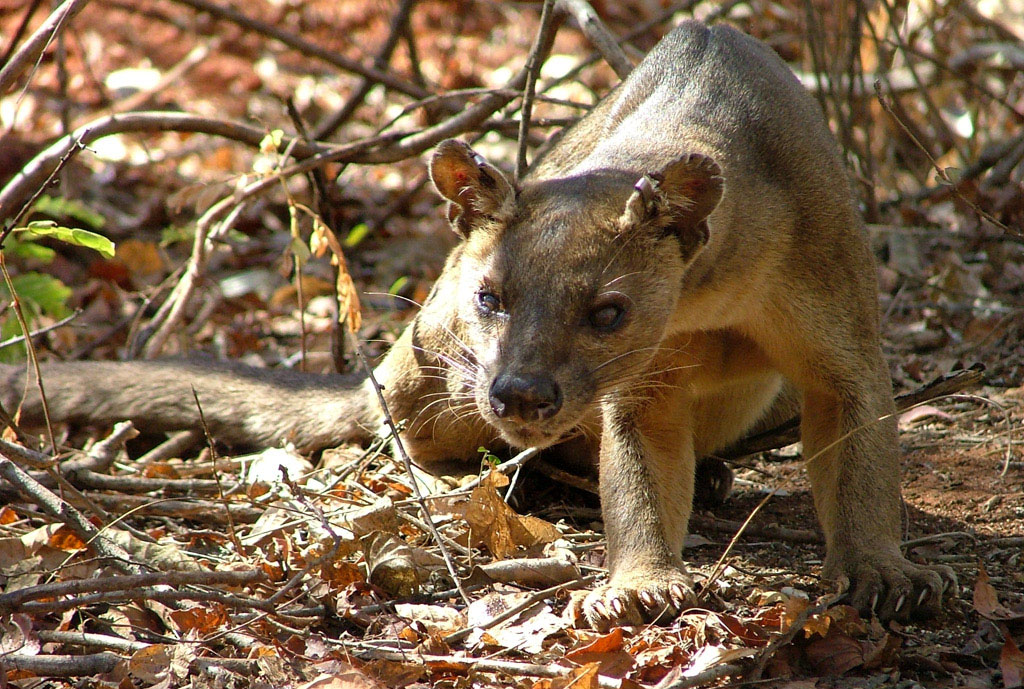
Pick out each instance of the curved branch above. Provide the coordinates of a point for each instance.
(31, 177)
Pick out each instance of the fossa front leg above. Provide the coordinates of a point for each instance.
(646, 476)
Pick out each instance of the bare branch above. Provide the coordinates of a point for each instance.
(35, 45)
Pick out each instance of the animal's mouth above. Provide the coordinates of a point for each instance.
(523, 437)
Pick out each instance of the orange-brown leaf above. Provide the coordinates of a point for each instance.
(1011, 662)
(986, 600)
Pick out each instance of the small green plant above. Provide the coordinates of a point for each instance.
(39, 294)
(487, 457)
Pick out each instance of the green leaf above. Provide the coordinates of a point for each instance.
(398, 285)
(40, 294)
(173, 234)
(60, 207)
(356, 235)
(30, 250)
(11, 354)
(69, 235)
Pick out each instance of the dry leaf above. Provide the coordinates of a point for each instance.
(499, 527)
(349, 310)
(711, 655)
(986, 600)
(344, 677)
(921, 412)
(268, 467)
(607, 653)
(65, 539)
(835, 655)
(8, 516)
(1011, 663)
(204, 619)
(607, 643)
(391, 564)
(442, 619)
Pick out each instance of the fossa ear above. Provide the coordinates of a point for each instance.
(679, 198)
(476, 190)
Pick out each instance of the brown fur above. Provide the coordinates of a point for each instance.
(685, 254)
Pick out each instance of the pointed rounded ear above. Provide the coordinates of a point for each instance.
(475, 189)
(679, 198)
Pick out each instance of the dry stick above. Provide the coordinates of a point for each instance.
(772, 531)
(33, 48)
(172, 447)
(201, 510)
(407, 461)
(940, 172)
(91, 640)
(533, 64)
(232, 534)
(506, 667)
(788, 432)
(532, 600)
(307, 48)
(133, 484)
(171, 312)
(171, 77)
(61, 510)
(10, 602)
(41, 331)
(63, 666)
(705, 677)
(398, 24)
(158, 593)
(598, 34)
(35, 173)
(922, 94)
(720, 565)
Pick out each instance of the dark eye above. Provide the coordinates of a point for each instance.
(606, 318)
(488, 301)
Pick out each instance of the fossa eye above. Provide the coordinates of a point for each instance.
(606, 318)
(488, 301)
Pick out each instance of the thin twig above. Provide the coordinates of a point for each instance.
(940, 171)
(33, 48)
(598, 34)
(533, 65)
(30, 12)
(11, 601)
(407, 461)
(306, 48)
(529, 602)
(334, 122)
(41, 331)
(59, 509)
(506, 667)
(34, 174)
(788, 432)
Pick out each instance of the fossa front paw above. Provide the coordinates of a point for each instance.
(638, 597)
(892, 587)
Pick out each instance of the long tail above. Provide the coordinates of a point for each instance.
(242, 405)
